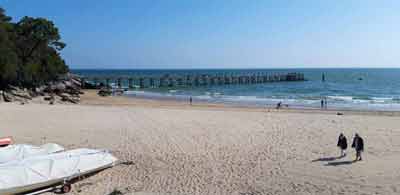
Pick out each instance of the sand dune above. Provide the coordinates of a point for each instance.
(187, 150)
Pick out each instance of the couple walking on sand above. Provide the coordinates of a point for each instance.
(358, 145)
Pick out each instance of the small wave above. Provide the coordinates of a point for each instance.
(241, 98)
(269, 100)
(213, 94)
(382, 98)
(129, 92)
(217, 94)
(396, 99)
(341, 98)
(203, 97)
(362, 98)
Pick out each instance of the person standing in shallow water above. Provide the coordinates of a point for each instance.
(342, 144)
(326, 103)
(358, 145)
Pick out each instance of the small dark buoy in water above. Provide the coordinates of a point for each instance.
(360, 79)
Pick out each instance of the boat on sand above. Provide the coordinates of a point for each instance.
(5, 141)
(23, 151)
(46, 171)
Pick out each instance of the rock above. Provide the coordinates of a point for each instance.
(72, 91)
(38, 91)
(48, 98)
(33, 93)
(88, 85)
(104, 92)
(59, 87)
(73, 83)
(77, 82)
(11, 87)
(69, 85)
(8, 97)
(16, 94)
(75, 100)
(65, 97)
(22, 101)
(52, 99)
(24, 94)
(119, 92)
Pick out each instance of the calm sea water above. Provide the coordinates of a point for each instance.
(361, 89)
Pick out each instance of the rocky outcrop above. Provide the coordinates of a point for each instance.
(66, 89)
(19, 93)
(8, 97)
(72, 98)
(105, 92)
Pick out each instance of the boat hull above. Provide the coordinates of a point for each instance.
(42, 172)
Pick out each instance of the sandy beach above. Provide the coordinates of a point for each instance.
(214, 149)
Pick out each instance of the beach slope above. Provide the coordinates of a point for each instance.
(215, 150)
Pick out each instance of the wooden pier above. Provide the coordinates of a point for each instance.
(171, 81)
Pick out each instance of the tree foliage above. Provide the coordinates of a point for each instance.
(29, 51)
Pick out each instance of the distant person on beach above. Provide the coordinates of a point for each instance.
(190, 100)
(322, 103)
(279, 105)
(326, 103)
(342, 144)
(358, 145)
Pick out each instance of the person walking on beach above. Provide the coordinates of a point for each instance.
(279, 105)
(190, 100)
(342, 144)
(358, 145)
(326, 103)
(322, 103)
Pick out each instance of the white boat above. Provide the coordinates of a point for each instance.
(44, 171)
(21, 151)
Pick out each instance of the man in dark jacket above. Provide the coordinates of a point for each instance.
(358, 145)
(342, 144)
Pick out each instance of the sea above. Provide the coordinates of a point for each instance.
(353, 89)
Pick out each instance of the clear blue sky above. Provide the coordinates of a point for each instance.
(222, 34)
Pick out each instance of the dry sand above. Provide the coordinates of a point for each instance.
(213, 149)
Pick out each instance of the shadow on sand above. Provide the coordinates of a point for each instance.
(327, 159)
(340, 163)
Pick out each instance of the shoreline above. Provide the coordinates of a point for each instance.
(91, 98)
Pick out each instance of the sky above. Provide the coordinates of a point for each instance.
(149, 34)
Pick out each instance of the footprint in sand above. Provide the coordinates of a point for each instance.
(394, 188)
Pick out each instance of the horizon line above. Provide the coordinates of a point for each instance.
(221, 68)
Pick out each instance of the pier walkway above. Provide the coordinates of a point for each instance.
(172, 81)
